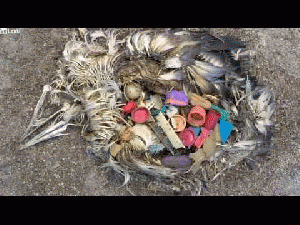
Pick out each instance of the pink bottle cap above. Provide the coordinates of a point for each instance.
(140, 115)
(212, 118)
(197, 116)
(200, 140)
(187, 136)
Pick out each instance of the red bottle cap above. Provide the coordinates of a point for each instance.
(129, 107)
(212, 118)
(200, 140)
(187, 136)
(140, 115)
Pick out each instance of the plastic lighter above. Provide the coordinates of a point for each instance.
(212, 118)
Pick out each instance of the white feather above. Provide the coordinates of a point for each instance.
(112, 43)
(173, 63)
(173, 75)
(146, 39)
(208, 67)
(183, 32)
(243, 145)
(97, 34)
(161, 43)
(129, 45)
(74, 48)
(135, 41)
(261, 126)
(208, 72)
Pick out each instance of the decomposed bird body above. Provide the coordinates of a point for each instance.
(100, 73)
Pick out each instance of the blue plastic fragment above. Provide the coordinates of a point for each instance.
(225, 129)
(196, 130)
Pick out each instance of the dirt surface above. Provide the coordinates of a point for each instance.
(62, 167)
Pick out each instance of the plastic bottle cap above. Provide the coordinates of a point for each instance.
(187, 137)
(129, 107)
(178, 122)
(133, 91)
(140, 115)
(197, 116)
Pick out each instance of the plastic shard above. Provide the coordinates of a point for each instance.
(177, 98)
(225, 129)
(209, 149)
(224, 113)
(210, 145)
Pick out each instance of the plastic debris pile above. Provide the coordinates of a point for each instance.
(158, 102)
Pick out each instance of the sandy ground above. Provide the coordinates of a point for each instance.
(62, 167)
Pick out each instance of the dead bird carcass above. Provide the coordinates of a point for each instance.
(160, 103)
